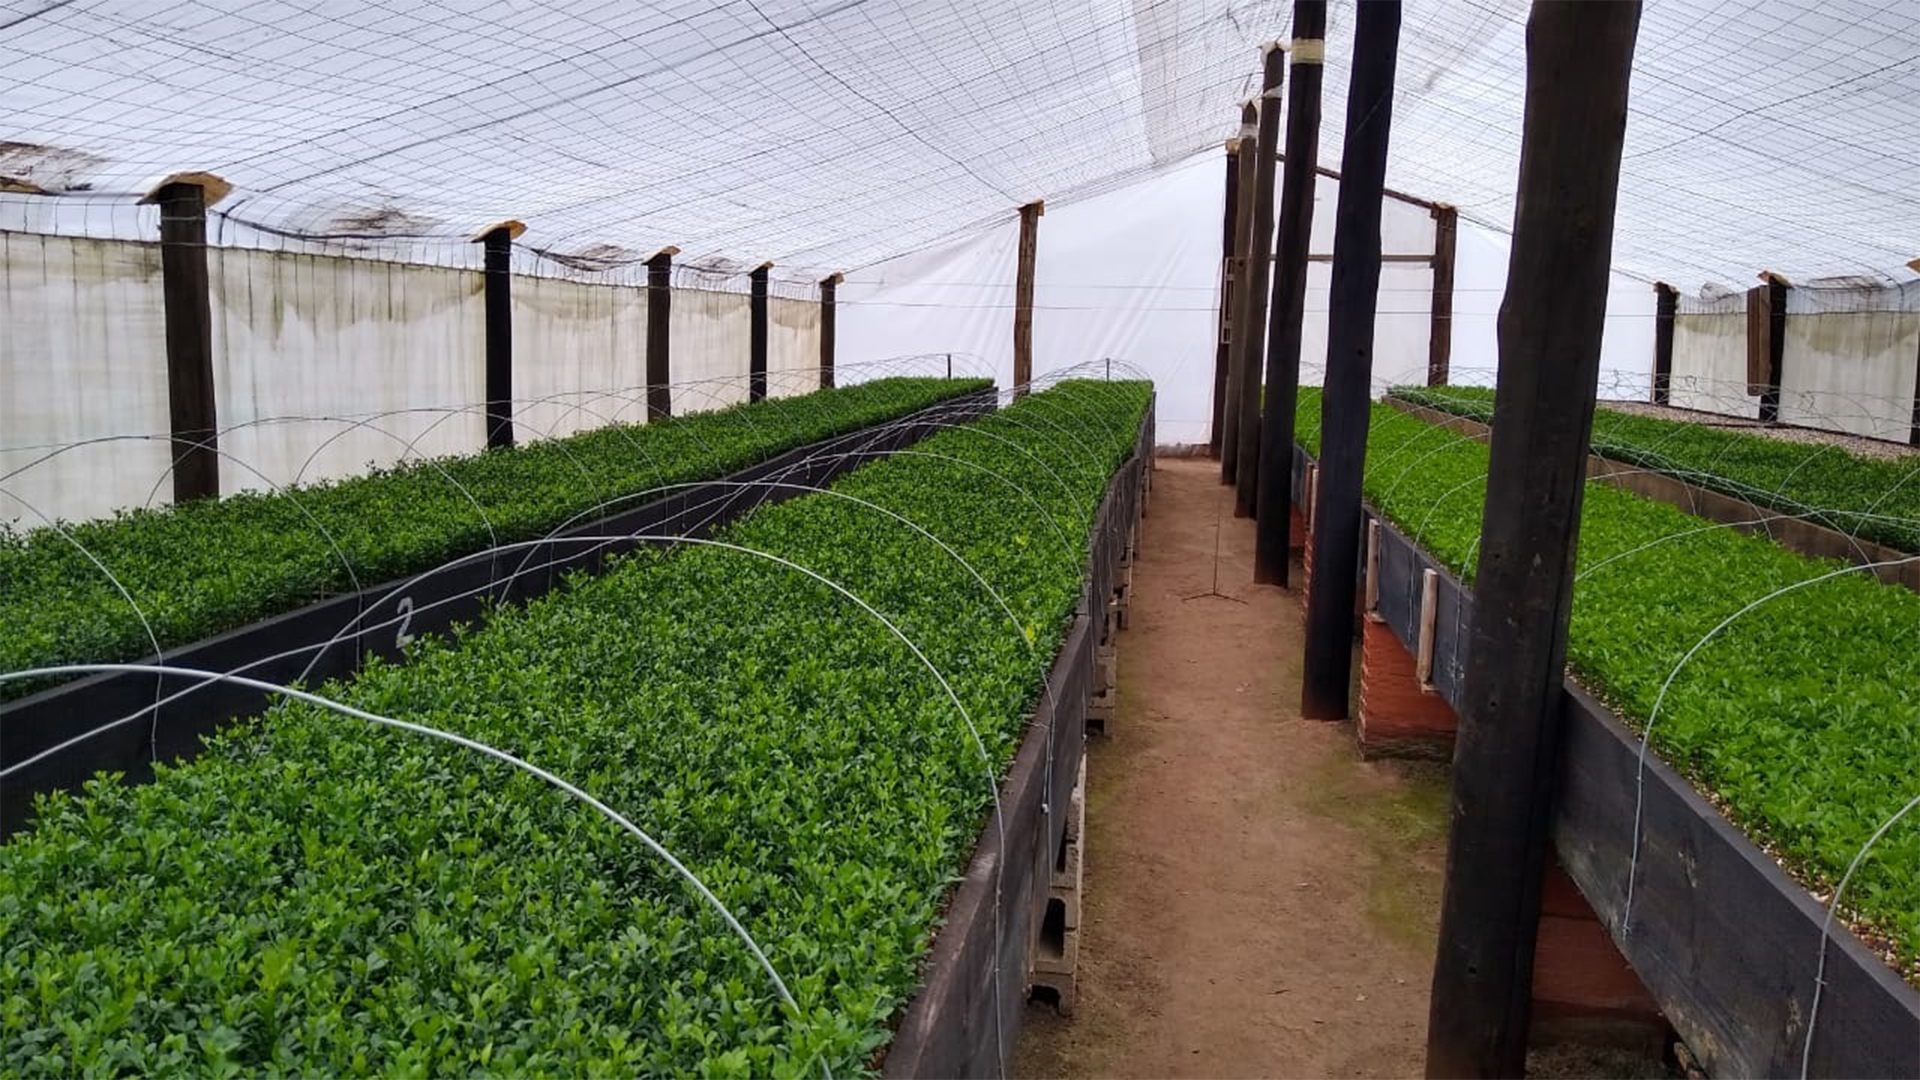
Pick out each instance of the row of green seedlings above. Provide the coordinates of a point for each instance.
(147, 580)
(1787, 688)
(776, 706)
(1872, 498)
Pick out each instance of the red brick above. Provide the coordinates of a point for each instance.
(1397, 717)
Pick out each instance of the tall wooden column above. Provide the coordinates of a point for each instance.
(1446, 230)
(1766, 342)
(828, 287)
(1251, 344)
(1666, 303)
(757, 334)
(1346, 403)
(659, 334)
(1579, 57)
(498, 253)
(1023, 297)
(1227, 278)
(1243, 233)
(1274, 505)
(191, 411)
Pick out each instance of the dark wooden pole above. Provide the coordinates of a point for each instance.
(1242, 236)
(1446, 230)
(499, 301)
(1346, 402)
(1769, 323)
(1274, 507)
(1023, 297)
(189, 319)
(757, 335)
(1251, 344)
(828, 286)
(1579, 57)
(1913, 432)
(659, 327)
(1666, 302)
(1227, 271)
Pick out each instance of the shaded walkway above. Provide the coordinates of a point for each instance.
(1259, 902)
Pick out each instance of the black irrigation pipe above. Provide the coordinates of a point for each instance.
(307, 645)
(1723, 938)
(948, 1029)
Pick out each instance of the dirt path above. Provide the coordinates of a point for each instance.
(1259, 901)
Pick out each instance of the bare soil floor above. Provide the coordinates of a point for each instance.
(1259, 901)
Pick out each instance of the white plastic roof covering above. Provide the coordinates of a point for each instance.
(827, 135)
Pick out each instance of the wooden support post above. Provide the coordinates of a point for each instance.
(757, 335)
(1766, 342)
(1913, 432)
(828, 287)
(1243, 231)
(1227, 278)
(1446, 230)
(1251, 343)
(1023, 297)
(1579, 58)
(659, 336)
(498, 242)
(189, 320)
(1666, 302)
(1345, 404)
(1274, 506)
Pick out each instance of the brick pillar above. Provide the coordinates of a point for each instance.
(1398, 717)
(1584, 991)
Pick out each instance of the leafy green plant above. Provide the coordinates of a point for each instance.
(1802, 717)
(315, 896)
(1874, 498)
(202, 568)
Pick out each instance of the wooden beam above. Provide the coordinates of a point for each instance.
(1252, 341)
(1227, 277)
(1410, 259)
(1346, 401)
(659, 336)
(1666, 302)
(757, 334)
(1387, 192)
(1446, 228)
(191, 409)
(1023, 297)
(1273, 509)
(828, 287)
(1506, 757)
(1243, 231)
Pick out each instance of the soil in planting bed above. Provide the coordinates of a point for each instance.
(1259, 902)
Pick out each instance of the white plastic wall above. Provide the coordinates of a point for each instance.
(1134, 275)
(325, 366)
(1851, 369)
(793, 346)
(82, 356)
(709, 342)
(579, 355)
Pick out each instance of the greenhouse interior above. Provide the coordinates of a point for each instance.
(1019, 538)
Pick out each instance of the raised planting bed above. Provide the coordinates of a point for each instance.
(204, 568)
(330, 638)
(1786, 740)
(965, 1021)
(1870, 506)
(322, 896)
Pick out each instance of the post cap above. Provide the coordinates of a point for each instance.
(213, 188)
(514, 229)
(1773, 278)
(667, 252)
